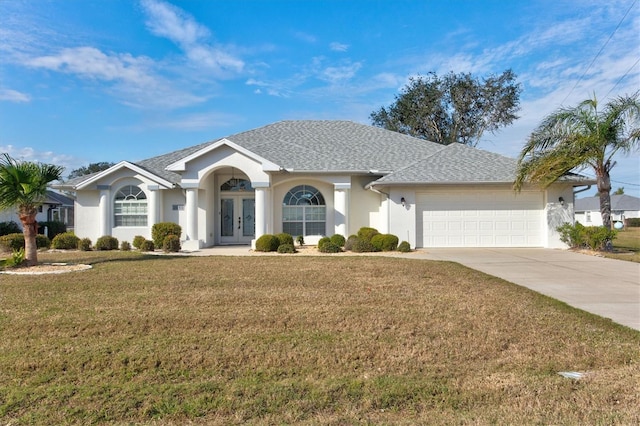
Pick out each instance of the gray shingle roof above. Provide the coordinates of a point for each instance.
(345, 146)
(618, 203)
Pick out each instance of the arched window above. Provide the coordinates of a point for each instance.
(130, 207)
(304, 212)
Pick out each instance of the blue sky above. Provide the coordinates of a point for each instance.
(95, 80)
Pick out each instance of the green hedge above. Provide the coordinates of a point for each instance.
(65, 241)
(10, 227)
(171, 244)
(15, 241)
(267, 242)
(107, 242)
(54, 228)
(161, 230)
(385, 242)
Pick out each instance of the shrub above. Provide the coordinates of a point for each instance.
(84, 244)
(338, 240)
(10, 227)
(300, 240)
(350, 242)
(171, 244)
(42, 241)
(65, 241)
(138, 240)
(322, 241)
(13, 242)
(634, 222)
(285, 238)
(16, 259)
(147, 245)
(107, 242)
(598, 237)
(54, 228)
(161, 230)
(363, 246)
(404, 247)
(329, 247)
(366, 233)
(571, 235)
(125, 246)
(286, 248)
(384, 242)
(267, 242)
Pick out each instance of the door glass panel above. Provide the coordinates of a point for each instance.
(227, 217)
(248, 218)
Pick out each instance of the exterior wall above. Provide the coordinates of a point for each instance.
(87, 215)
(402, 219)
(557, 213)
(364, 205)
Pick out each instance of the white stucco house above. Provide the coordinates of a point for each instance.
(316, 178)
(56, 207)
(622, 207)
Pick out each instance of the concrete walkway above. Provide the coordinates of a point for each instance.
(606, 287)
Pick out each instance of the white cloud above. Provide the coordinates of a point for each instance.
(13, 96)
(69, 162)
(173, 23)
(338, 47)
(338, 74)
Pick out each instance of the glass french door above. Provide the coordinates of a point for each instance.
(237, 221)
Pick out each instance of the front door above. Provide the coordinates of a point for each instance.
(237, 221)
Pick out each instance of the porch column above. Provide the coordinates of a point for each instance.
(191, 212)
(105, 210)
(341, 209)
(261, 208)
(153, 208)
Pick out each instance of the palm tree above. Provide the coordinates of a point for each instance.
(23, 185)
(580, 138)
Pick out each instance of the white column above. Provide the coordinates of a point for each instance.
(191, 211)
(341, 210)
(261, 207)
(152, 212)
(105, 209)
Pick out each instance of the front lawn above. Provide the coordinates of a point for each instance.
(626, 245)
(302, 339)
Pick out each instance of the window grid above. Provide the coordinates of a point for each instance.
(130, 207)
(304, 211)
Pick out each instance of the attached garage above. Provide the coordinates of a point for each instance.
(480, 218)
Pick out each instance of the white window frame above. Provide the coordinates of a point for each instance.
(130, 207)
(304, 205)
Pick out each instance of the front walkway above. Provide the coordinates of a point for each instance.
(606, 287)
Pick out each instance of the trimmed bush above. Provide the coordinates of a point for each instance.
(125, 246)
(171, 244)
(322, 241)
(363, 246)
(384, 242)
(338, 240)
(84, 244)
(107, 242)
(10, 227)
(13, 242)
(161, 230)
(65, 241)
(267, 242)
(330, 247)
(147, 245)
(285, 238)
(404, 247)
(286, 248)
(366, 233)
(138, 240)
(54, 228)
(350, 242)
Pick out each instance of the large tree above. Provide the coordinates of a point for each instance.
(23, 185)
(91, 168)
(453, 108)
(579, 138)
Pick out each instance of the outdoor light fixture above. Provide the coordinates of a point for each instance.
(403, 201)
(561, 201)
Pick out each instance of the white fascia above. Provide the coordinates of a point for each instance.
(125, 165)
(181, 165)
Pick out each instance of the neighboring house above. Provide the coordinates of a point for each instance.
(56, 207)
(622, 207)
(316, 178)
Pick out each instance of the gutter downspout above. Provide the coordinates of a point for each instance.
(388, 198)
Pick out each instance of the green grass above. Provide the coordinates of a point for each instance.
(307, 340)
(626, 245)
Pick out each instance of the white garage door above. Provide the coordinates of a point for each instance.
(480, 218)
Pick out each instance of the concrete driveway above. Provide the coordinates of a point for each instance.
(606, 287)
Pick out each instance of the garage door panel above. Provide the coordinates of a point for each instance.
(480, 219)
